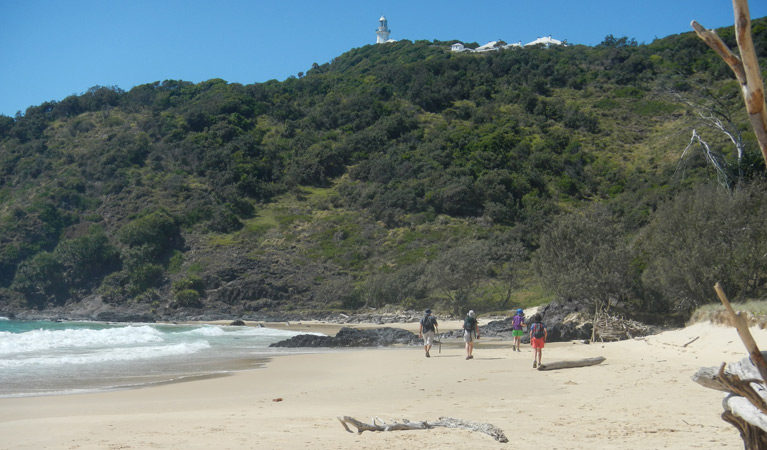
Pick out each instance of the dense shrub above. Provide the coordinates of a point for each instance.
(155, 232)
(584, 256)
(704, 236)
(186, 298)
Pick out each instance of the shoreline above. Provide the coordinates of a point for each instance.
(640, 397)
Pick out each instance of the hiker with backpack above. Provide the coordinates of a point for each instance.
(517, 322)
(428, 331)
(538, 336)
(470, 333)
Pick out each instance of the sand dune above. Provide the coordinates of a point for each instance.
(641, 397)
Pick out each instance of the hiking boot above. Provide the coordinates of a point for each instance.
(535, 364)
(469, 357)
(513, 348)
(427, 355)
(518, 349)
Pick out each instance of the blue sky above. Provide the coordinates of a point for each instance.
(50, 49)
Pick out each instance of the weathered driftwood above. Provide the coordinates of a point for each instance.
(609, 328)
(746, 405)
(570, 364)
(445, 422)
(745, 67)
(745, 335)
(696, 338)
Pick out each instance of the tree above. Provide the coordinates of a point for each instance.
(745, 67)
(584, 257)
(611, 41)
(87, 258)
(39, 279)
(385, 287)
(509, 257)
(713, 112)
(156, 232)
(704, 236)
(458, 273)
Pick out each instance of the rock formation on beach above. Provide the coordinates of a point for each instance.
(352, 337)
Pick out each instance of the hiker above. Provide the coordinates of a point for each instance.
(517, 322)
(427, 331)
(538, 336)
(470, 333)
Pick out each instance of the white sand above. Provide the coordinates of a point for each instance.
(641, 397)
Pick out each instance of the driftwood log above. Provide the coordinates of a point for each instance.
(445, 422)
(745, 406)
(570, 364)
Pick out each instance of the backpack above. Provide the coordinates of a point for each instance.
(428, 323)
(538, 330)
(470, 324)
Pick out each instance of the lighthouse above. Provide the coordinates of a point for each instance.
(382, 33)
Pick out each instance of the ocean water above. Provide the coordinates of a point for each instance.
(51, 358)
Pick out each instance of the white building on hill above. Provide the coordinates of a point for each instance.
(493, 46)
(383, 31)
(546, 42)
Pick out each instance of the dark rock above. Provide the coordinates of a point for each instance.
(559, 329)
(352, 337)
(306, 340)
(118, 316)
(237, 323)
(570, 331)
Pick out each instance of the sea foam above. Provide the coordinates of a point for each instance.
(108, 355)
(38, 340)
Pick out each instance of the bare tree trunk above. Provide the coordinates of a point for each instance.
(745, 67)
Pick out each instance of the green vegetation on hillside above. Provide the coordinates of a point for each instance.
(399, 174)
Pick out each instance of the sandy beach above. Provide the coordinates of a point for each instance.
(641, 397)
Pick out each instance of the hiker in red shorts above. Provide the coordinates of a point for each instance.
(538, 336)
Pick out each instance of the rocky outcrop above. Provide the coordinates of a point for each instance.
(353, 337)
(565, 321)
(119, 316)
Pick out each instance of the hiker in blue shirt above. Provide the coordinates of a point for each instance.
(428, 331)
(517, 322)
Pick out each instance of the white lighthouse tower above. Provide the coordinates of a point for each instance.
(382, 33)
